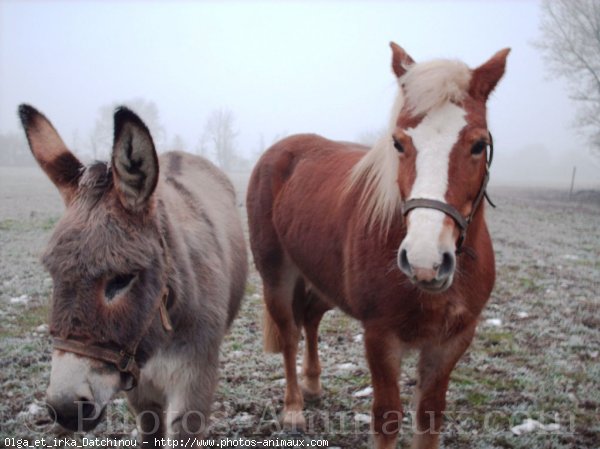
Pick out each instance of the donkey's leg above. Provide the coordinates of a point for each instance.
(149, 417)
(311, 369)
(279, 301)
(384, 354)
(436, 363)
(190, 397)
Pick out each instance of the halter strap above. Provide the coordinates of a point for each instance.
(435, 204)
(124, 357)
(451, 211)
(124, 361)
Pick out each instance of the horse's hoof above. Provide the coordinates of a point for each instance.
(310, 394)
(293, 421)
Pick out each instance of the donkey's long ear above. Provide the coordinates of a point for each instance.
(134, 160)
(401, 60)
(486, 76)
(61, 166)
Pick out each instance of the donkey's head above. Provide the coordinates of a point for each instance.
(107, 262)
(439, 132)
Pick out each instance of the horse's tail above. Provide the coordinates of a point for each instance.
(271, 337)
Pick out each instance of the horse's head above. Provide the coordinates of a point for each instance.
(432, 163)
(107, 263)
(439, 132)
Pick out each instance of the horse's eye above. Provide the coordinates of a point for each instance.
(116, 284)
(478, 147)
(398, 145)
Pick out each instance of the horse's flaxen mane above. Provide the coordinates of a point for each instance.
(424, 87)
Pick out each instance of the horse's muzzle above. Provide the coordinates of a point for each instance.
(434, 279)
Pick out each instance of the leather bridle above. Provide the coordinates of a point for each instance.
(123, 357)
(451, 211)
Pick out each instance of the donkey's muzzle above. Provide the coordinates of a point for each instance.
(78, 416)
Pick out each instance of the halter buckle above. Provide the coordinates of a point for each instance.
(126, 362)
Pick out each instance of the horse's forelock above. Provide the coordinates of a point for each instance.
(423, 88)
(431, 84)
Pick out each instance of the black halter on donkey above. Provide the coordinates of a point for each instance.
(451, 211)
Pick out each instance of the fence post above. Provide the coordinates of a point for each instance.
(572, 182)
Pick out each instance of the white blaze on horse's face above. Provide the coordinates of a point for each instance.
(80, 388)
(427, 252)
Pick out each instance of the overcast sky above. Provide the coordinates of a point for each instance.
(282, 67)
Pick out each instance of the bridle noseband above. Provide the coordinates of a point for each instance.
(451, 211)
(123, 358)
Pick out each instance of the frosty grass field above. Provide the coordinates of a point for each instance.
(531, 379)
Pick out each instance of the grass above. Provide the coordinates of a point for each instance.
(33, 224)
(24, 322)
(542, 366)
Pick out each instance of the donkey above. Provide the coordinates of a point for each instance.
(149, 269)
(382, 235)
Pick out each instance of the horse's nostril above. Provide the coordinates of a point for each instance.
(403, 263)
(446, 268)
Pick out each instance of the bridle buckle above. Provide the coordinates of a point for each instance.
(126, 362)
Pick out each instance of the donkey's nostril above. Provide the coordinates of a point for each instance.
(446, 268)
(403, 263)
(87, 407)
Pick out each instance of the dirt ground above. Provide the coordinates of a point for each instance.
(536, 354)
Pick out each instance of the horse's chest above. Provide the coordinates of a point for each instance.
(441, 321)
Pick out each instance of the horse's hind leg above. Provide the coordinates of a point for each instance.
(311, 369)
(283, 337)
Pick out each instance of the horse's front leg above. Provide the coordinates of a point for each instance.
(384, 354)
(436, 363)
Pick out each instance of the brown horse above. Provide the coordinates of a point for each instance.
(148, 269)
(383, 236)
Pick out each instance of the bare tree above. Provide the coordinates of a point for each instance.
(264, 144)
(177, 143)
(570, 43)
(219, 138)
(369, 137)
(101, 138)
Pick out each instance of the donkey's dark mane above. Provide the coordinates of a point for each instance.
(96, 236)
(97, 178)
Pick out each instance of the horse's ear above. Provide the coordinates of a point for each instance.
(401, 60)
(49, 150)
(486, 76)
(134, 160)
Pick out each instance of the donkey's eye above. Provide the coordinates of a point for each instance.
(116, 284)
(479, 147)
(398, 145)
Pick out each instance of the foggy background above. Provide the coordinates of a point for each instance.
(227, 79)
